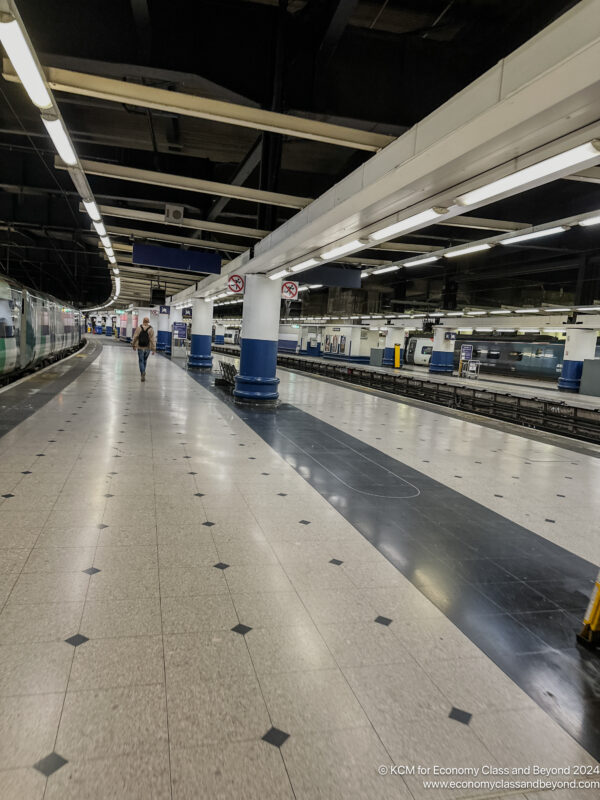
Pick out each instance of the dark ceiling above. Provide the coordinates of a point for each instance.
(380, 65)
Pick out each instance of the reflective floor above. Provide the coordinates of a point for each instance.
(193, 605)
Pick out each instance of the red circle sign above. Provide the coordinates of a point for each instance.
(236, 283)
(289, 289)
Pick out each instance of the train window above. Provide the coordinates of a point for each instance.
(426, 350)
(538, 352)
(515, 355)
(493, 354)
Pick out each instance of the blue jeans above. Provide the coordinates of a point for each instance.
(143, 358)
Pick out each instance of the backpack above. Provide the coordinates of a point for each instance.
(144, 337)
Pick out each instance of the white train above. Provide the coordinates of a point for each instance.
(35, 329)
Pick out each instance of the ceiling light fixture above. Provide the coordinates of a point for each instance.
(105, 241)
(21, 57)
(92, 209)
(112, 259)
(56, 130)
(524, 178)
(552, 310)
(315, 286)
(525, 237)
(385, 269)
(590, 221)
(100, 229)
(416, 262)
(501, 311)
(311, 262)
(410, 222)
(475, 248)
(342, 249)
(527, 311)
(281, 274)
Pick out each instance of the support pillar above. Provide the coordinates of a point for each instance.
(200, 352)
(98, 327)
(394, 336)
(174, 316)
(109, 326)
(442, 357)
(129, 327)
(164, 329)
(219, 333)
(579, 345)
(257, 378)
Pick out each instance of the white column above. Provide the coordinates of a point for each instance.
(257, 378)
(442, 357)
(202, 318)
(394, 336)
(579, 345)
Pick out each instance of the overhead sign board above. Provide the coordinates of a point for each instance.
(175, 258)
(236, 284)
(289, 290)
(186, 313)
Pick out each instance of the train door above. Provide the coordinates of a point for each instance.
(410, 351)
(10, 325)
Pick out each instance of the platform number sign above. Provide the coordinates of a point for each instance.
(236, 284)
(289, 290)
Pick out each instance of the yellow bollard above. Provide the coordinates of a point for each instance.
(589, 635)
(397, 356)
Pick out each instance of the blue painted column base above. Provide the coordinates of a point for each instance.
(108, 331)
(99, 330)
(219, 339)
(442, 361)
(256, 379)
(162, 340)
(389, 355)
(200, 356)
(570, 378)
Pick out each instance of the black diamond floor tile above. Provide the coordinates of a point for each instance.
(198, 494)
(48, 765)
(383, 620)
(101, 526)
(26, 472)
(243, 629)
(460, 716)
(8, 495)
(91, 570)
(192, 473)
(208, 524)
(77, 639)
(335, 561)
(275, 737)
(304, 522)
(281, 494)
(109, 495)
(264, 473)
(221, 565)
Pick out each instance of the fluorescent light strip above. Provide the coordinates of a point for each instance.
(589, 151)
(365, 274)
(385, 269)
(455, 314)
(590, 221)
(410, 222)
(92, 209)
(415, 262)
(355, 244)
(105, 241)
(112, 259)
(589, 308)
(315, 286)
(501, 311)
(282, 273)
(60, 137)
(22, 59)
(527, 311)
(100, 229)
(476, 313)
(551, 310)
(535, 235)
(476, 248)
(305, 265)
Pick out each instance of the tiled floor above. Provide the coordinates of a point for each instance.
(218, 651)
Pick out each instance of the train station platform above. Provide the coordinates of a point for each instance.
(205, 600)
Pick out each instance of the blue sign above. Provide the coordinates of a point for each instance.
(179, 330)
(175, 258)
(450, 335)
(164, 309)
(466, 352)
(186, 313)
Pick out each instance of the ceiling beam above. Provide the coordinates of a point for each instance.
(197, 224)
(169, 237)
(123, 92)
(482, 224)
(591, 175)
(245, 169)
(184, 183)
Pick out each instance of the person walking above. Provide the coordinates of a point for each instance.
(144, 341)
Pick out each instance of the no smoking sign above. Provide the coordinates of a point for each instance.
(236, 284)
(289, 290)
